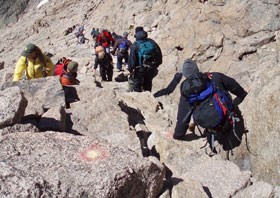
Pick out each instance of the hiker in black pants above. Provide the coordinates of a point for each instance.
(184, 109)
(143, 71)
(105, 62)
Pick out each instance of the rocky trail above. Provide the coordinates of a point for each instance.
(97, 139)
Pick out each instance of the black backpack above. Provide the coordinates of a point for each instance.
(210, 105)
(194, 84)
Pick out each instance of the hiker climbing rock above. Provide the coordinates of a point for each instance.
(144, 59)
(105, 40)
(122, 46)
(205, 97)
(105, 62)
(67, 70)
(34, 63)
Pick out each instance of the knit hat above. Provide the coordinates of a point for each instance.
(138, 29)
(189, 68)
(72, 66)
(29, 49)
(125, 34)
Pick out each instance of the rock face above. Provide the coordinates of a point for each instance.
(233, 37)
(65, 165)
(42, 94)
(12, 106)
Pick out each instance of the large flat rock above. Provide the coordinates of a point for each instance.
(63, 165)
(12, 106)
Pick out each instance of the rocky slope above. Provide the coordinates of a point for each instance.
(239, 38)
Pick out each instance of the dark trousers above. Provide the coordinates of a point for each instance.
(143, 77)
(106, 73)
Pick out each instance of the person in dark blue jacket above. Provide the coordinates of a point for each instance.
(143, 74)
(184, 108)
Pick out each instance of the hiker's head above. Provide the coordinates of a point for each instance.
(30, 51)
(138, 29)
(100, 52)
(125, 34)
(72, 67)
(189, 68)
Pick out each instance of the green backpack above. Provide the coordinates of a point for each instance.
(146, 52)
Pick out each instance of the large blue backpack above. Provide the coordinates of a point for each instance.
(211, 105)
(146, 52)
(123, 47)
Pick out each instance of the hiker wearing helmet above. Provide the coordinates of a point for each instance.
(34, 63)
(122, 46)
(198, 91)
(144, 58)
(105, 62)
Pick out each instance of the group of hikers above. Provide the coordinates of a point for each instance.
(204, 96)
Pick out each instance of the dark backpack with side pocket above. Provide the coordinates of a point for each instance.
(146, 52)
(210, 105)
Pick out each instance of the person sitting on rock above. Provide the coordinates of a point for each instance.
(105, 62)
(69, 74)
(34, 63)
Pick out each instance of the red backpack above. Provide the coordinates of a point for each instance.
(58, 68)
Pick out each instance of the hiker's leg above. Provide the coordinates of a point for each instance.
(102, 73)
(150, 73)
(110, 74)
(183, 118)
(126, 59)
(119, 62)
(138, 80)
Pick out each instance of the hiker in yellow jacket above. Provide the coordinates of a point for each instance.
(34, 63)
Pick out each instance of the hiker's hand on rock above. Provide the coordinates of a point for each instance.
(168, 134)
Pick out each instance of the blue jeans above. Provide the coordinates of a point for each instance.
(120, 58)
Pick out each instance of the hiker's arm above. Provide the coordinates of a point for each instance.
(233, 86)
(183, 118)
(129, 44)
(132, 58)
(95, 63)
(173, 84)
(115, 47)
(20, 67)
(158, 53)
(49, 67)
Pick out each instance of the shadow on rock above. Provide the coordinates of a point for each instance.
(69, 125)
(70, 95)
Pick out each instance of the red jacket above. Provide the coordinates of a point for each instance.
(105, 39)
